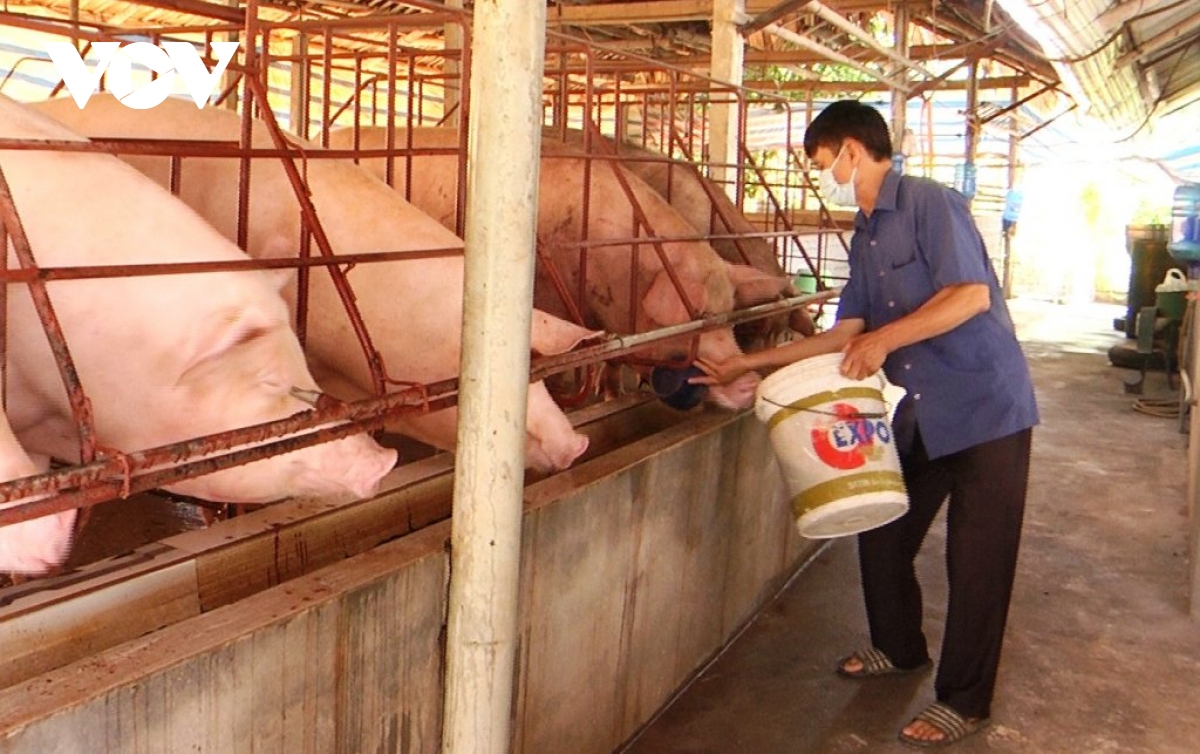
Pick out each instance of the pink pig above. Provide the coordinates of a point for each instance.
(412, 308)
(707, 208)
(706, 279)
(164, 358)
(37, 545)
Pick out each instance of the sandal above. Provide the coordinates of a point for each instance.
(874, 663)
(942, 718)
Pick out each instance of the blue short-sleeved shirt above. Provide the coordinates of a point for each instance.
(966, 386)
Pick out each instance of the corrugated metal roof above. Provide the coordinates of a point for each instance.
(1134, 64)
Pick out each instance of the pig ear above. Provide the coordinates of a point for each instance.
(753, 286)
(551, 335)
(226, 329)
(663, 305)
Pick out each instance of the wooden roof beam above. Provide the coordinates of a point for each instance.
(1174, 36)
(946, 53)
(834, 56)
(623, 14)
(771, 15)
(197, 8)
(758, 7)
(942, 52)
(1025, 58)
(678, 11)
(993, 82)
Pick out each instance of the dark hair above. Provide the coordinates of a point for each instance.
(849, 119)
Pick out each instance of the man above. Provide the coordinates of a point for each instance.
(924, 304)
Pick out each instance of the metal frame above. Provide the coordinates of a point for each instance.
(679, 98)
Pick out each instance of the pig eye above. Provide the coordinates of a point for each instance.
(250, 335)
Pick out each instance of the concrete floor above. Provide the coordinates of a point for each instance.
(1100, 655)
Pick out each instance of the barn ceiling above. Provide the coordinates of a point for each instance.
(1128, 61)
(1124, 63)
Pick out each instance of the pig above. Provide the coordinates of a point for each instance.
(164, 358)
(762, 280)
(709, 210)
(412, 308)
(705, 277)
(37, 545)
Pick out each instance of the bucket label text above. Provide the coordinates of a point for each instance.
(850, 440)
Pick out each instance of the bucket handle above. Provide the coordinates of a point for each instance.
(856, 415)
(887, 406)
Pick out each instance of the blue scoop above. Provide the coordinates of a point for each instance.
(671, 385)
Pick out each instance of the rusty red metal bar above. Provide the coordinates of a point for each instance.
(390, 133)
(586, 209)
(105, 479)
(551, 270)
(780, 214)
(191, 148)
(81, 408)
(644, 222)
(710, 191)
(36, 278)
(4, 323)
(117, 476)
(620, 345)
(309, 213)
(233, 265)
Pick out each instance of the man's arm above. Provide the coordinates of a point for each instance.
(830, 341)
(944, 311)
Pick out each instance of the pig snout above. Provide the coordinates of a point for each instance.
(552, 444)
(549, 457)
(369, 467)
(350, 466)
(354, 465)
(37, 545)
(738, 394)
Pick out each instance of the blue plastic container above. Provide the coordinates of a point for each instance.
(1185, 223)
(964, 179)
(672, 387)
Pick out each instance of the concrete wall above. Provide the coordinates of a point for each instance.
(637, 567)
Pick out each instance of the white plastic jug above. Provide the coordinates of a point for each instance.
(1173, 282)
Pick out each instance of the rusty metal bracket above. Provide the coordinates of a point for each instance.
(81, 407)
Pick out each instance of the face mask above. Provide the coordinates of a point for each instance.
(838, 193)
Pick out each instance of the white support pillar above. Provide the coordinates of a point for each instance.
(454, 85)
(504, 128)
(727, 67)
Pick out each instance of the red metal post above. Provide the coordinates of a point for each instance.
(81, 407)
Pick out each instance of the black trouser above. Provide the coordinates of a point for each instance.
(986, 485)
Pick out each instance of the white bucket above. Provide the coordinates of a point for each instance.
(833, 440)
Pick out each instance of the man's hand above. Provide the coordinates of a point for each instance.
(720, 372)
(864, 355)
